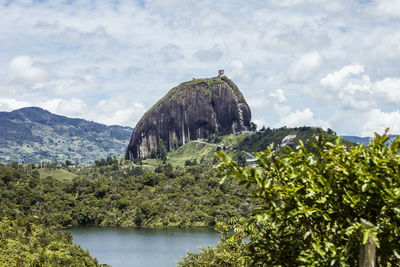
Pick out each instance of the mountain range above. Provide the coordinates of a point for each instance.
(33, 134)
(357, 139)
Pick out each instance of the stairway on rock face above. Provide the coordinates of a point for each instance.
(239, 108)
(240, 112)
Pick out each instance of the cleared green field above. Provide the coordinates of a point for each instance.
(59, 174)
(191, 151)
(201, 152)
(232, 140)
(151, 164)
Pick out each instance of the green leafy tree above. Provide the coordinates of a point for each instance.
(25, 243)
(162, 151)
(314, 199)
(240, 158)
(253, 127)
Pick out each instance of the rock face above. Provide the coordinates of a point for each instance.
(192, 110)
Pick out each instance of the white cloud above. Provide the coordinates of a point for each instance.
(279, 102)
(258, 102)
(260, 123)
(304, 66)
(213, 54)
(352, 87)
(95, 50)
(389, 7)
(390, 87)
(9, 104)
(337, 79)
(70, 86)
(73, 107)
(118, 110)
(25, 70)
(171, 53)
(290, 118)
(356, 91)
(279, 96)
(294, 3)
(377, 121)
(300, 118)
(237, 69)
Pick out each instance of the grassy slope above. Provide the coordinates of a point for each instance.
(202, 153)
(59, 174)
(191, 151)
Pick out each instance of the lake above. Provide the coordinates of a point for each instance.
(141, 247)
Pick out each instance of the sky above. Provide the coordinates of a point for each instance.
(327, 63)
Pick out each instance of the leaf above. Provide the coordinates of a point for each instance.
(307, 234)
(223, 179)
(326, 217)
(376, 240)
(396, 254)
(397, 209)
(365, 237)
(303, 259)
(364, 187)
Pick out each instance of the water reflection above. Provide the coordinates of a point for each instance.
(141, 247)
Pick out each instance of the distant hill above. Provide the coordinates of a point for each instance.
(33, 134)
(261, 140)
(357, 139)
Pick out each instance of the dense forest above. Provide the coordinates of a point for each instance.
(24, 239)
(122, 195)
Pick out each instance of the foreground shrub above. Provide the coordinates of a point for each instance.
(314, 200)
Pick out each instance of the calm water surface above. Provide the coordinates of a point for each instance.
(123, 247)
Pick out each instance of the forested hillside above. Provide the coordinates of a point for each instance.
(262, 139)
(121, 195)
(24, 240)
(33, 135)
(26, 243)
